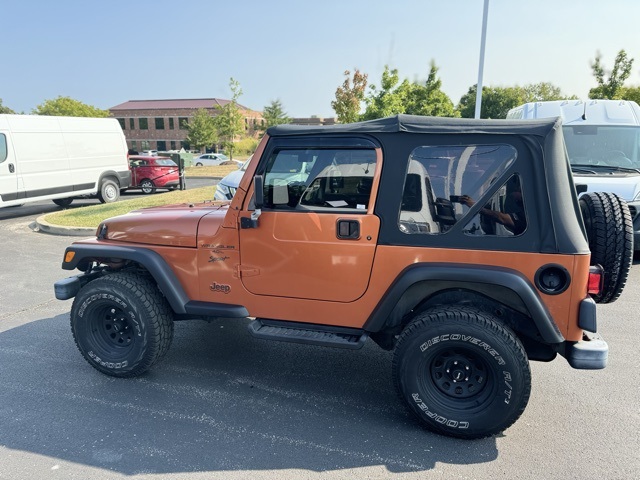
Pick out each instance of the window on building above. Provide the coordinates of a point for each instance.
(173, 145)
(144, 123)
(162, 145)
(171, 123)
(183, 123)
(134, 145)
(159, 123)
(132, 124)
(443, 184)
(185, 145)
(122, 123)
(145, 145)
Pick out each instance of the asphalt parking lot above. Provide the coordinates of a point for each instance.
(223, 404)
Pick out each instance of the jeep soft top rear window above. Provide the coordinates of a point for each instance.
(443, 183)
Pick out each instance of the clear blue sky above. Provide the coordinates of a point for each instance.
(107, 52)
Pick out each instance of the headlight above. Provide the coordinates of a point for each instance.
(222, 192)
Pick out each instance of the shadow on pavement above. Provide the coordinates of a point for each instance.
(220, 401)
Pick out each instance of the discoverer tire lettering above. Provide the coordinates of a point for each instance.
(461, 372)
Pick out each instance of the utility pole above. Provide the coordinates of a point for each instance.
(483, 41)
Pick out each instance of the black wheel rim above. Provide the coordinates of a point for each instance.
(111, 332)
(459, 374)
(457, 378)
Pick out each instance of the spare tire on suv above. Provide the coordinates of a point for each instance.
(610, 232)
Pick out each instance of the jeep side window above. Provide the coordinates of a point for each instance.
(319, 179)
(3, 147)
(437, 179)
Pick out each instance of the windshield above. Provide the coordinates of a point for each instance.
(607, 146)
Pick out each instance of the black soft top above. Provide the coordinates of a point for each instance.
(543, 159)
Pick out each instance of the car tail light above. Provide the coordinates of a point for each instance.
(596, 277)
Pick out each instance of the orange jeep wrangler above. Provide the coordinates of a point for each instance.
(460, 244)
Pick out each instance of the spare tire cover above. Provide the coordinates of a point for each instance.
(610, 233)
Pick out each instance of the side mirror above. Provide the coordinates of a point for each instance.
(258, 188)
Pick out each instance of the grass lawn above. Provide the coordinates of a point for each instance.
(219, 171)
(92, 215)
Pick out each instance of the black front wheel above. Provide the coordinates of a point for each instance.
(121, 324)
(461, 372)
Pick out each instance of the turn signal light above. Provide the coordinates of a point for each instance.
(69, 256)
(596, 277)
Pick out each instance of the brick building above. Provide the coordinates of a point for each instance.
(161, 124)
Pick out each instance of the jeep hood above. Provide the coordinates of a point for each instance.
(171, 225)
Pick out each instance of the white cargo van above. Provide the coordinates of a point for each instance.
(603, 144)
(59, 158)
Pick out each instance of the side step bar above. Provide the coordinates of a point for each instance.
(308, 333)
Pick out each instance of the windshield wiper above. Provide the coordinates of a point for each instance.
(610, 168)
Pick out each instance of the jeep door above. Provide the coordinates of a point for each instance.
(316, 236)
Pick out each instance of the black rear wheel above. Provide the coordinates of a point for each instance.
(461, 372)
(63, 202)
(121, 324)
(147, 186)
(610, 232)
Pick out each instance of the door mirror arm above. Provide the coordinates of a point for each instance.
(258, 193)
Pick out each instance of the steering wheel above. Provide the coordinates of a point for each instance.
(617, 158)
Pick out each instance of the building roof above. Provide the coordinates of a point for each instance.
(173, 104)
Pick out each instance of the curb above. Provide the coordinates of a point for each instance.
(45, 227)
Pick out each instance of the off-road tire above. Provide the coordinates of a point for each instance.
(461, 372)
(121, 324)
(147, 186)
(610, 233)
(109, 191)
(63, 202)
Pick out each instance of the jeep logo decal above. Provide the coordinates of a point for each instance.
(219, 287)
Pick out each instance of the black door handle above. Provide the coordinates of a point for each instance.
(12, 169)
(348, 229)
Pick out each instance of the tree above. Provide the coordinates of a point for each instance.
(274, 114)
(4, 109)
(497, 101)
(68, 107)
(611, 88)
(201, 130)
(427, 99)
(544, 92)
(386, 101)
(350, 96)
(630, 93)
(228, 122)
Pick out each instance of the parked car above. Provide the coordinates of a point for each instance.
(150, 153)
(226, 188)
(149, 173)
(213, 160)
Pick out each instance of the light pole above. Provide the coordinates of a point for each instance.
(483, 40)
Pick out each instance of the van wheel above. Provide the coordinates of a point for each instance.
(147, 186)
(63, 202)
(461, 372)
(122, 324)
(610, 232)
(109, 191)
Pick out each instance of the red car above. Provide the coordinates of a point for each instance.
(149, 173)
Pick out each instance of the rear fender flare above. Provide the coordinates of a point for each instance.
(400, 300)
